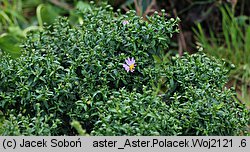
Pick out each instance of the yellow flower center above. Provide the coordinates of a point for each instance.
(131, 67)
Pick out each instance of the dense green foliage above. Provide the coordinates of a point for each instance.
(18, 17)
(195, 86)
(76, 73)
(134, 113)
(29, 125)
(232, 44)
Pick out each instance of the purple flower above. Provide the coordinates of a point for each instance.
(130, 65)
(125, 22)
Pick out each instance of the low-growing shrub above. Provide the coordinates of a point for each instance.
(28, 125)
(134, 113)
(63, 66)
(195, 89)
(79, 73)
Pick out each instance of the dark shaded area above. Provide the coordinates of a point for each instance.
(191, 12)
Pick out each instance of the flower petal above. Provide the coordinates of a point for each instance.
(130, 64)
(127, 61)
(125, 22)
(132, 61)
(126, 67)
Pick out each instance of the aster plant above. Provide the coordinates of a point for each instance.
(130, 65)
